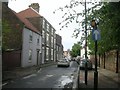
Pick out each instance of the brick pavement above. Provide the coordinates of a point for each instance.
(106, 79)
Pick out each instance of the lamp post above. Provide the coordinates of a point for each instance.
(86, 71)
(94, 25)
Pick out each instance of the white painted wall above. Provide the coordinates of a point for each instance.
(33, 46)
(83, 53)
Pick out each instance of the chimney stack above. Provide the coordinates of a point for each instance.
(5, 2)
(35, 6)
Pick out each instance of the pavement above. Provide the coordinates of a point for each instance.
(106, 80)
(21, 72)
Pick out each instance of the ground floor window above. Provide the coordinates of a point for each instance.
(30, 55)
(47, 53)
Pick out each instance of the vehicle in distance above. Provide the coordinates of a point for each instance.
(89, 64)
(63, 62)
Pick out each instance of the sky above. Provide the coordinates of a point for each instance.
(47, 7)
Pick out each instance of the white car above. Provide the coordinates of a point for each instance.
(63, 62)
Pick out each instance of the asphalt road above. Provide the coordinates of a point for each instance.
(47, 77)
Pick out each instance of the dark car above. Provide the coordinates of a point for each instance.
(89, 64)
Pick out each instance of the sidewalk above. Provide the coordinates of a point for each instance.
(21, 72)
(106, 79)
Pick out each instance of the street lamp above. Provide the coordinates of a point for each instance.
(86, 71)
(94, 25)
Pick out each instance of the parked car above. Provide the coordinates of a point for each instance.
(63, 62)
(82, 64)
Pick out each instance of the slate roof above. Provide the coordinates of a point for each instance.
(28, 13)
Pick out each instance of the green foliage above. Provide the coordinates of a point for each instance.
(109, 25)
(75, 50)
(108, 16)
(11, 36)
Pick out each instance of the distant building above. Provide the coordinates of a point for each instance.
(59, 47)
(67, 54)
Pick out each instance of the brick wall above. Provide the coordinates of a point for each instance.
(11, 59)
(110, 60)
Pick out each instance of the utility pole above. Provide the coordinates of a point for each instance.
(86, 71)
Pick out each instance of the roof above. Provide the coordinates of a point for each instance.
(30, 12)
(27, 23)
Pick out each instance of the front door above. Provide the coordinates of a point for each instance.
(38, 57)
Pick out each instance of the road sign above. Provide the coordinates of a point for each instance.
(96, 35)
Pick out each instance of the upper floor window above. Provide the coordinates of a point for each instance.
(43, 23)
(30, 36)
(38, 41)
(52, 43)
(47, 39)
(52, 31)
(48, 27)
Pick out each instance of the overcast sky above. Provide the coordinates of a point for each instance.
(46, 10)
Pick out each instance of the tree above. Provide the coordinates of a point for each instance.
(109, 25)
(75, 50)
(72, 15)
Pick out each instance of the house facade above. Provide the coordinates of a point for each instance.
(31, 48)
(28, 38)
(48, 37)
(59, 47)
(48, 41)
(21, 40)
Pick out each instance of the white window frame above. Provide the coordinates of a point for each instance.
(30, 56)
(47, 39)
(47, 53)
(52, 54)
(48, 27)
(31, 37)
(43, 23)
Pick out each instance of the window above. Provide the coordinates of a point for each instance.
(52, 42)
(30, 36)
(47, 39)
(52, 31)
(47, 54)
(47, 27)
(30, 55)
(38, 40)
(51, 54)
(43, 23)
(43, 36)
(57, 48)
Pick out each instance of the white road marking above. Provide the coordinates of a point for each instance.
(4, 84)
(39, 70)
(49, 75)
(32, 75)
